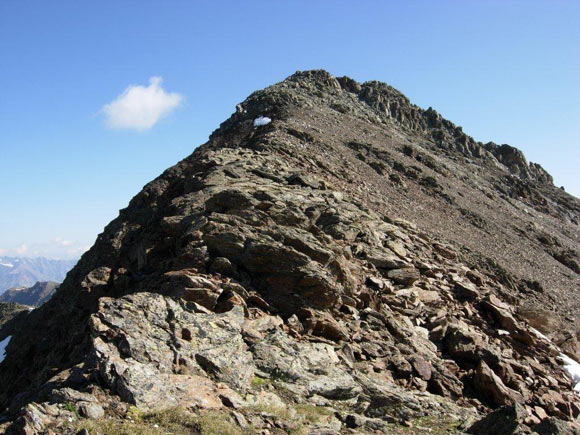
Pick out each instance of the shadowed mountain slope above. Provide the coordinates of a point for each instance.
(356, 253)
(36, 295)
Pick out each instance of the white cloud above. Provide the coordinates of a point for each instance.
(139, 107)
(22, 249)
(62, 242)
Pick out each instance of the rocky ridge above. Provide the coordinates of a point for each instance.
(277, 268)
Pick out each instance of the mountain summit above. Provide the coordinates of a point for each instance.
(333, 259)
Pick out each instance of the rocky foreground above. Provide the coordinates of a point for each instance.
(349, 263)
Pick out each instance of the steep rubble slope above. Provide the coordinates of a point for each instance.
(356, 253)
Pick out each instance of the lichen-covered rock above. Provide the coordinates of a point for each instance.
(156, 352)
(307, 368)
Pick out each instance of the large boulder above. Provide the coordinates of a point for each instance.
(309, 368)
(506, 420)
(492, 389)
(158, 352)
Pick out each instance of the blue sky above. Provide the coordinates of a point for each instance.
(506, 71)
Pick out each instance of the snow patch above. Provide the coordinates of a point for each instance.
(573, 369)
(6, 264)
(539, 334)
(261, 120)
(3, 345)
(570, 366)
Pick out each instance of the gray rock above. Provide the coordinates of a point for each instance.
(91, 410)
(162, 351)
(503, 421)
(384, 259)
(467, 290)
(35, 418)
(405, 276)
(312, 367)
(69, 395)
(554, 426)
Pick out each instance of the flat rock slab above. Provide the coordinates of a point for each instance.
(155, 353)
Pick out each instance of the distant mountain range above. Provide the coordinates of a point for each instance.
(25, 272)
(33, 296)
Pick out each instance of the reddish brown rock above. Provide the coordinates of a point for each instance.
(323, 325)
(422, 367)
(492, 388)
(405, 276)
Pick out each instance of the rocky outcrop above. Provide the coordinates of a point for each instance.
(278, 267)
(157, 352)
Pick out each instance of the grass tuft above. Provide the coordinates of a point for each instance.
(170, 421)
(259, 382)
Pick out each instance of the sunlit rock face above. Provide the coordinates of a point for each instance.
(331, 246)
